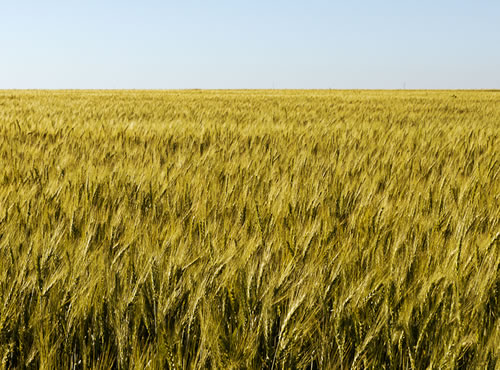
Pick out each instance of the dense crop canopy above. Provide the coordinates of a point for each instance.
(250, 229)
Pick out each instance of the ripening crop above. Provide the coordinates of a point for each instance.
(250, 229)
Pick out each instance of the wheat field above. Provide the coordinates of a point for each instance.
(250, 229)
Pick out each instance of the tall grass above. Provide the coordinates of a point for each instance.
(249, 229)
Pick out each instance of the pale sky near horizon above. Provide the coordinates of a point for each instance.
(250, 44)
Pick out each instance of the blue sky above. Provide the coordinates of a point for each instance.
(249, 44)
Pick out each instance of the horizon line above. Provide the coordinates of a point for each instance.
(252, 89)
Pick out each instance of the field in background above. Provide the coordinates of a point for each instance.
(250, 229)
